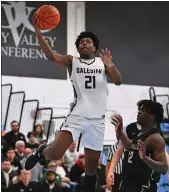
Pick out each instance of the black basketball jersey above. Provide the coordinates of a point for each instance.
(133, 167)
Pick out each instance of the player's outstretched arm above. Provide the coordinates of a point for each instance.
(159, 163)
(112, 165)
(116, 158)
(64, 60)
(111, 69)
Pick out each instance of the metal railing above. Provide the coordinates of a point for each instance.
(6, 95)
(15, 108)
(43, 117)
(56, 123)
(28, 117)
(152, 93)
(162, 98)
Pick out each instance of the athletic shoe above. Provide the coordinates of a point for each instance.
(35, 157)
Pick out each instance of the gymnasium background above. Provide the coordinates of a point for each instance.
(137, 33)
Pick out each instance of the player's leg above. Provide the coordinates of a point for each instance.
(92, 140)
(69, 133)
(54, 151)
(91, 162)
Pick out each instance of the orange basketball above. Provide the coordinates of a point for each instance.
(48, 16)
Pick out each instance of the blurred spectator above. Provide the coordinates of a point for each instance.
(19, 149)
(7, 175)
(71, 156)
(14, 135)
(49, 184)
(3, 131)
(39, 133)
(4, 147)
(25, 184)
(31, 141)
(17, 178)
(60, 170)
(14, 161)
(53, 166)
(77, 169)
(37, 171)
(61, 180)
(43, 142)
(26, 153)
(62, 163)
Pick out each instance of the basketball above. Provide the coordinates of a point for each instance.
(48, 16)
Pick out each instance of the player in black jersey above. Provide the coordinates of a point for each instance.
(144, 153)
(132, 129)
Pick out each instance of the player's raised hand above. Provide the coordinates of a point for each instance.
(35, 21)
(141, 149)
(117, 121)
(106, 57)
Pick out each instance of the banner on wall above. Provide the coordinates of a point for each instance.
(20, 50)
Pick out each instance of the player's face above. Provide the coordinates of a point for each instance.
(143, 116)
(86, 46)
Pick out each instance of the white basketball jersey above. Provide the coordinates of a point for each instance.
(90, 88)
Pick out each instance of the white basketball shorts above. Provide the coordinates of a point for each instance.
(92, 131)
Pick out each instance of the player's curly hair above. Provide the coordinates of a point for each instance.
(87, 34)
(154, 108)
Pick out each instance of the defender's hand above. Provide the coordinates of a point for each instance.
(117, 121)
(141, 149)
(110, 178)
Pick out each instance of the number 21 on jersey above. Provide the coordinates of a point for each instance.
(90, 82)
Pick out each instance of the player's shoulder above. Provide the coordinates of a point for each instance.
(74, 58)
(156, 140)
(156, 137)
(134, 124)
(68, 59)
(99, 60)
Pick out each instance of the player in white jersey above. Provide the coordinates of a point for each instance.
(86, 117)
